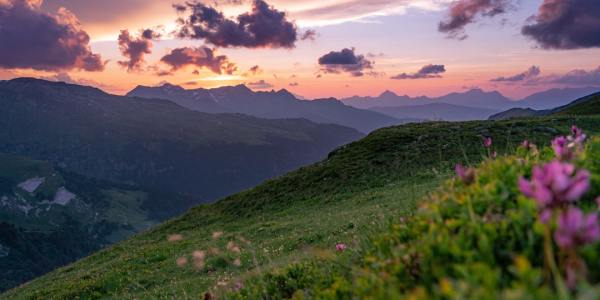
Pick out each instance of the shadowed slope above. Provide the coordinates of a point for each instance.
(346, 197)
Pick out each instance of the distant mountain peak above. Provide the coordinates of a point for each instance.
(171, 87)
(284, 92)
(388, 94)
(476, 91)
(242, 87)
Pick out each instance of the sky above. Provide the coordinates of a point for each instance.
(313, 48)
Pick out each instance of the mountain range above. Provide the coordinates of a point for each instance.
(470, 105)
(153, 142)
(271, 105)
(283, 238)
(436, 112)
(81, 169)
(362, 113)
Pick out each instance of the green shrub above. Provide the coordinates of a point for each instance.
(466, 241)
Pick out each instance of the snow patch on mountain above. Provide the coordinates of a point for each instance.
(63, 196)
(32, 184)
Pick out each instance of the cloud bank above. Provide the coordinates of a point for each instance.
(426, 72)
(565, 24)
(135, 48)
(532, 72)
(33, 39)
(262, 27)
(345, 61)
(259, 85)
(576, 77)
(465, 12)
(200, 57)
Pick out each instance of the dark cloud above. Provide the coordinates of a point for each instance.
(255, 70)
(33, 39)
(201, 57)
(532, 72)
(345, 61)
(134, 48)
(309, 35)
(151, 34)
(426, 72)
(465, 12)
(580, 77)
(572, 78)
(294, 84)
(263, 27)
(259, 85)
(566, 24)
(180, 8)
(162, 73)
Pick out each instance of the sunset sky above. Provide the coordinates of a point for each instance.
(314, 48)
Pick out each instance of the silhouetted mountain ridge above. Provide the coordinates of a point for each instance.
(271, 105)
(436, 112)
(155, 142)
(476, 98)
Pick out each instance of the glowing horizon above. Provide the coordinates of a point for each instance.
(394, 38)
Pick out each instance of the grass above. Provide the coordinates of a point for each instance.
(350, 197)
(480, 240)
(586, 106)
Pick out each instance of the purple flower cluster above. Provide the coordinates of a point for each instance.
(567, 147)
(466, 175)
(555, 185)
(576, 229)
(487, 142)
(341, 247)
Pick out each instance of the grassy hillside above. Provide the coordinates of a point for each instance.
(483, 237)
(349, 197)
(586, 106)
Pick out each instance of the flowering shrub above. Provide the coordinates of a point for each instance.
(467, 175)
(341, 247)
(576, 229)
(487, 142)
(567, 147)
(555, 185)
(492, 234)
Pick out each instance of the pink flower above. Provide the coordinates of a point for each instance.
(562, 150)
(487, 142)
(526, 144)
(341, 247)
(553, 185)
(566, 147)
(577, 135)
(576, 229)
(466, 175)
